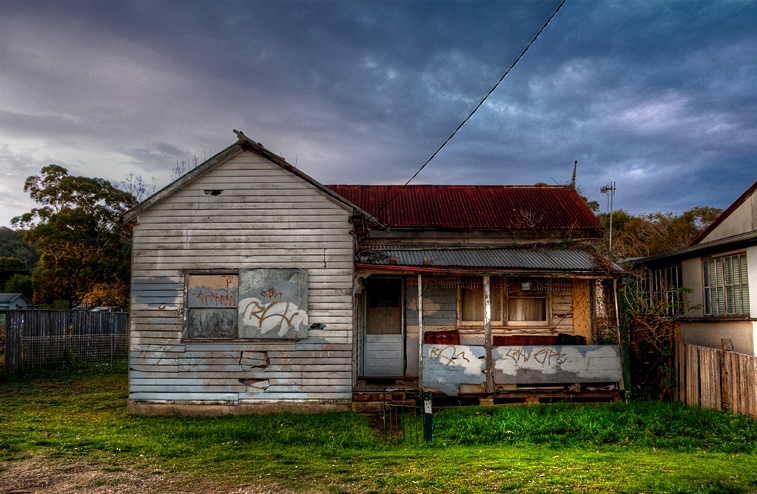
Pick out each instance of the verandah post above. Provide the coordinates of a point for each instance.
(488, 334)
(420, 331)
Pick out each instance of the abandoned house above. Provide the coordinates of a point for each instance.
(716, 267)
(255, 288)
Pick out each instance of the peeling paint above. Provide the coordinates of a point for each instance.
(255, 385)
(446, 367)
(550, 364)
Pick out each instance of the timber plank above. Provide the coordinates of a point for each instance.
(209, 396)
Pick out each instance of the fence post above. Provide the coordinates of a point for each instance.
(725, 373)
(428, 416)
(13, 341)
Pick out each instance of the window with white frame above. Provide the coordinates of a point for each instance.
(726, 291)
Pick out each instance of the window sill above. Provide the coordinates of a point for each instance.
(499, 327)
(720, 318)
(237, 340)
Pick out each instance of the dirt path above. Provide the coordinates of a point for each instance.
(37, 475)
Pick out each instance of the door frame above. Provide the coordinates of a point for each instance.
(364, 322)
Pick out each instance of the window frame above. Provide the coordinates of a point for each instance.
(726, 265)
(502, 299)
(547, 322)
(664, 286)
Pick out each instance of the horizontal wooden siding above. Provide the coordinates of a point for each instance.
(265, 218)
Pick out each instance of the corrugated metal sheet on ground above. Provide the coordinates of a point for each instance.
(474, 207)
(567, 260)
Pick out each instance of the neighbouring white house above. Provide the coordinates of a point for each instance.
(720, 269)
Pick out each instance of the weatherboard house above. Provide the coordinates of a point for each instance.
(255, 288)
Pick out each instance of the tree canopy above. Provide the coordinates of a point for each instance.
(84, 250)
(12, 245)
(654, 233)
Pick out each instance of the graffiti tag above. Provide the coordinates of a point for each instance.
(544, 356)
(271, 293)
(209, 296)
(447, 354)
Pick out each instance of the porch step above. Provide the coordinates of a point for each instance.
(378, 406)
(378, 396)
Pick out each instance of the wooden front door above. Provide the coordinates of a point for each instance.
(384, 339)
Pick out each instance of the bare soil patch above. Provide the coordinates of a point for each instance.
(37, 475)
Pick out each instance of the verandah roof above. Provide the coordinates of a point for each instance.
(525, 259)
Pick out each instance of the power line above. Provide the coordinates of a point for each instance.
(471, 113)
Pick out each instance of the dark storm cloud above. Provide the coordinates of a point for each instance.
(658, 96)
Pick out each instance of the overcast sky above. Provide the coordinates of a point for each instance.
(660, 97)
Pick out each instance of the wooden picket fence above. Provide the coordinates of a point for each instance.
(34, 338)
(717, 379)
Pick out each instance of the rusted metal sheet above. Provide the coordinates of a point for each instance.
(474, 207)
(446, 367)
(557, 364)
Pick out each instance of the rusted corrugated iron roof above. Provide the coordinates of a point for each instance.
(542, 259)
(474, 207)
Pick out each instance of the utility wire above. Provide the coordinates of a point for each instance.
(471, 113)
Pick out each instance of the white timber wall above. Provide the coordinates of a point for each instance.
(266, 217)
(742, 220)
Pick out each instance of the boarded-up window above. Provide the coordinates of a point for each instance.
(253, 304)
(273, 304)
(212, 306)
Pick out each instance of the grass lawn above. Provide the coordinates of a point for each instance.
(53, 418)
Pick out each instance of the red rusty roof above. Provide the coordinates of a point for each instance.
(474, 207)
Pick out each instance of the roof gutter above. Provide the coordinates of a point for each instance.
(735, 242)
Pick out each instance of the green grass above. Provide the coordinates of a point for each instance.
(637, 447)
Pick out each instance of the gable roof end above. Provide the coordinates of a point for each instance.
(730, 209)
(7, 298)
(243, 143)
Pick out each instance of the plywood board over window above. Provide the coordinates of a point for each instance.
(212, 306)
(273, 303)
